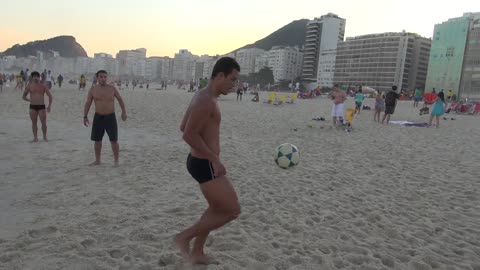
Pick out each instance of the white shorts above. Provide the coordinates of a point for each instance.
(338, 110)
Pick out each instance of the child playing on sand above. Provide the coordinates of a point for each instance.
(438, 109)
(379, 107)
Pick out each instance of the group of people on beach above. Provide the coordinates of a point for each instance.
(200, 127)
(384, 102)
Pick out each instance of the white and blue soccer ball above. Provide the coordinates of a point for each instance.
(286, 156)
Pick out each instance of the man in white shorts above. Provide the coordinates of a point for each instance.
(338, 107)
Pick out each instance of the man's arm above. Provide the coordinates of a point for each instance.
(191, 134)
(184, 121)
(88, 103)
(120, 100)
(185, 117)
(25, 93)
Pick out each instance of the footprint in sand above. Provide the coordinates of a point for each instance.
(42, 232)
(116, 253)
(87, 243)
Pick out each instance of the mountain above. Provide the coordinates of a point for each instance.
(292, 34)
(66, 46)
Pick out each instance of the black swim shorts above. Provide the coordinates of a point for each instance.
(200, 169)
(102, 123)
(389, 109)
(37, 107)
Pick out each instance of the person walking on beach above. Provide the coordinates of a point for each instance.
(104, 96)
(438, 109)
(379, 106)
(417, 97)
(359, 98)
(201, 130)
(239, 91)
(83, 83)
(338, 109)
(390, 102)
(37, 93)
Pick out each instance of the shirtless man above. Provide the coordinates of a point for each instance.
(201, 130)
(103, 95)
(37, 93)
(338, 109)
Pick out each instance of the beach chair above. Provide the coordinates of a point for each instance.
(349, 114)
(280, 100)
(271, 98)
(293, 97)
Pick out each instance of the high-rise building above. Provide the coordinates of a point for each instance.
(455, 56)
(103, 61)
(321, 39)
(128, 58)
(285, 62)
(184, 66)
(246, 59)
(261, 61)
(382, 60)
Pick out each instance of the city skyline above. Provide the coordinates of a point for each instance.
(165, 27)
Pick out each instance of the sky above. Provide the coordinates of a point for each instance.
(205, 27)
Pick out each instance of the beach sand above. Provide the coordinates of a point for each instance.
(380, 197)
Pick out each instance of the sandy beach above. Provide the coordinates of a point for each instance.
(380, 197)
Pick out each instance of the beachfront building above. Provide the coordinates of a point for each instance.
(246, 59)
(322, 37)
(455, 56)
(285, 62)
(128, 62)
(184, 66)
(382, 60)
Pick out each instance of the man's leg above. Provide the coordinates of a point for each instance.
(43, 120)
(388, 118)
(98, 151)
(34, 117)
(383, 119)
(115, 150)
(223, 208)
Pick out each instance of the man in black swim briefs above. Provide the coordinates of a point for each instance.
(104, 120)
(37, 93)
(201, 130)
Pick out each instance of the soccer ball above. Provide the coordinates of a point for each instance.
(286, 155)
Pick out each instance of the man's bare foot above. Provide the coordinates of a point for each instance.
(202, 259)
(34, 140)
(115, 164)
(183, 246)
(45, 139)
(95, 163)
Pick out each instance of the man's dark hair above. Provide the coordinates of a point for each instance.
(394, 88)
(100, 72)
(225, 65)
(35, 73)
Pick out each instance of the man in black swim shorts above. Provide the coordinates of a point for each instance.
(37, 93)
(201, 128)
(104, 95)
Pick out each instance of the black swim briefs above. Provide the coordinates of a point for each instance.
(102, 123)
(37, 107)
(200, 169)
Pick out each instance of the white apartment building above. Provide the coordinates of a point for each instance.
(322, 37)
(128, 58)
(184, 65)
(285, 62)
(246, 59)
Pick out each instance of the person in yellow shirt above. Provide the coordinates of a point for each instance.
(449, 95)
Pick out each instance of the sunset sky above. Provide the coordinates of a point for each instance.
(205, 27)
